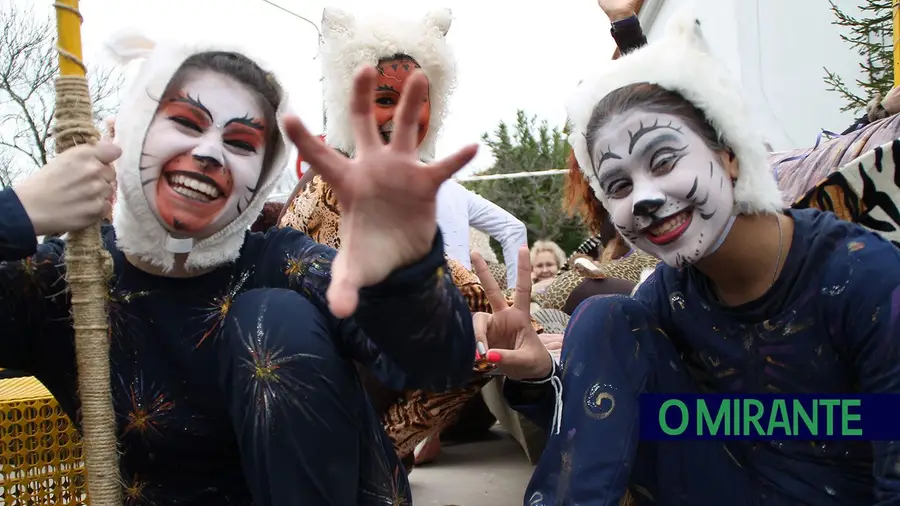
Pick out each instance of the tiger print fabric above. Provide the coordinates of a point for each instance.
(799, 170)
(865, 191)
(418, 414)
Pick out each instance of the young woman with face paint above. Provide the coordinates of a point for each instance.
(750, 298)
(233, 354)
(397, 48)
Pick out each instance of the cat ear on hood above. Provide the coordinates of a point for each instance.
(441, 19)
(337, 23)
(128, 45)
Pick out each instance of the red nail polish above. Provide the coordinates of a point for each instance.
(493, 357)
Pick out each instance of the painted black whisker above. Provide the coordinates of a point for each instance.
(690, 194)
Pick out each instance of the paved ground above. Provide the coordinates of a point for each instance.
(489, 473)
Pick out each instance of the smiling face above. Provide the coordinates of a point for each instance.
(393, 74)
(545, 266)
(666, 191)
(203, 154)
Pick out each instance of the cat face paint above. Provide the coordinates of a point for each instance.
(203, 154)
(666, 191)
(393, 74)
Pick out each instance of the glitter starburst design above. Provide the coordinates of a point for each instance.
(133, 490)
(308, 271)
(121, 321)
(271, 384)
(383, 483)
(148, 407)
(217, 310)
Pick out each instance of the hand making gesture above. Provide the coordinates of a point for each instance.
(512, 342)
(387, 195)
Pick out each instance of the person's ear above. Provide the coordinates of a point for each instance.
(729, 163)
(110, 126)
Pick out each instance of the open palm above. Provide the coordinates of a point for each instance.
(387, 195)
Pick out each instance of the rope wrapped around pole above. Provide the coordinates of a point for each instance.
(87, 266)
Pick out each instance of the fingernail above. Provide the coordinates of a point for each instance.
(493, 357)
(481, 348)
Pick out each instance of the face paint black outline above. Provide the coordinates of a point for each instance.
(642, 130)
(703, 215)
(246, 120)
(633, 138)
(188, 99)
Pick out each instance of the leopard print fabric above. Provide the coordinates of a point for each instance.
(417, 414)
(628, 268)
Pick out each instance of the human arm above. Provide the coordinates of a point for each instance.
(625, 27)
(31, 283)
(866, 313)
(498, 223)
(877, 109)
(412, 330)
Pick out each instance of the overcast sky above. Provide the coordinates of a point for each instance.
(512, 55)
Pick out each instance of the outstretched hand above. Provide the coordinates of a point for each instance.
(512, 342)
(387, 195)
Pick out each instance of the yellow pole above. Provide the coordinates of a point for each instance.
(896, 9)
(68, 24)
(87, 267)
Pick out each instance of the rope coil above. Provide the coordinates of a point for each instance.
(87, 271)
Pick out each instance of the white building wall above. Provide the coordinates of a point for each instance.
(778, 49)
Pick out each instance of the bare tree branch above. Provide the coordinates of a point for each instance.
(28, 68)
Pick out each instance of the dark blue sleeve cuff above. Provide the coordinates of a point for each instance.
(628, 34)
(17, 237)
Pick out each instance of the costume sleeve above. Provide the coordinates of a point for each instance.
(868, 314)
(538, 399)
(412, 330)
(17, 238)
(628, 34)
(653, 293)
(31, 286)
(496, 222)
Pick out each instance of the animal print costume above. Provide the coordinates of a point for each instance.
(854, 176)
(416, 414)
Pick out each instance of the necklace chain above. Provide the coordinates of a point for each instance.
(780, 250)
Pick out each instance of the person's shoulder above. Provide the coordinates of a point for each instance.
(283, 241)
(659, 281)
(855, 260)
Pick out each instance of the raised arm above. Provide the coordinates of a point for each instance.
(69, 193)
(496, 222)
(624, 25)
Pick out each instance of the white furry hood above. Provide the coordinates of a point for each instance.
(348, 43)
(681, 62)
(138, 230)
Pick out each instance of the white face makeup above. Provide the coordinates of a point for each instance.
(203, 153)
(667, 193)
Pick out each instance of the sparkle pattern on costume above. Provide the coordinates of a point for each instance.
(272, 385)
(122, 322)
(210, 425)
(828, 325)
(217, 311)
(384, 482)
(148, 409)
(133, 492)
